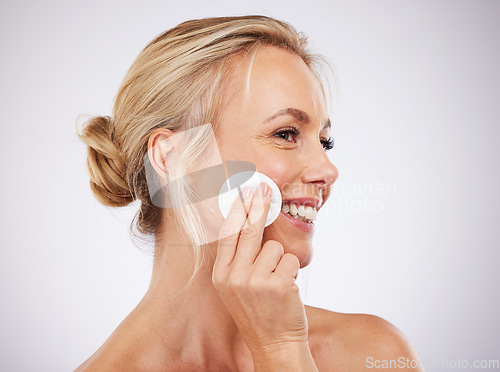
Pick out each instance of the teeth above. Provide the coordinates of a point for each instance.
(309, 213)
(286, 208)
(301, 212)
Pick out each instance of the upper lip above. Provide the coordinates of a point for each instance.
(311, 202)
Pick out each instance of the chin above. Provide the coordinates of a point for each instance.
(303, 253)
(300, 246)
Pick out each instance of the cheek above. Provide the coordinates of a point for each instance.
(282, 169)
(234, 150)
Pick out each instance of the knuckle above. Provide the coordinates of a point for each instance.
(285, 282)
(255, 282)
(249, 232)
(258, 213)
(277, 285)
(236, 281)
(217, 280)
(258, 207)
(225, 232)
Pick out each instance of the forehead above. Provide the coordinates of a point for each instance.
(273, 79)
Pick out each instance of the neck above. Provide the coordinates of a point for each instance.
(189, 316)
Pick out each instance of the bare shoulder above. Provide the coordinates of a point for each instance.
(128, 348)
(113, 355)
(124, 354)
(357, 342)
(134, 346)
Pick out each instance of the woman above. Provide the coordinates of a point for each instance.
(229, 303)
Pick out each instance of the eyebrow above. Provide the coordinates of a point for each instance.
(300, 115)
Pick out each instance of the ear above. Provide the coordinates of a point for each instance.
(160, 151)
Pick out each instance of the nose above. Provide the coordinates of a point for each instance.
(319, 171)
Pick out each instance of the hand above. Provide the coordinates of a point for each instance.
(257, 282)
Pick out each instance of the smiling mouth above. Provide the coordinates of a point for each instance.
(300, 212)
(298, 222)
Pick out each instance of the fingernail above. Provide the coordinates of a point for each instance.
(263, 189)
(268, 190)
(247, 191)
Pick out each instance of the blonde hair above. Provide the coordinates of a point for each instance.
(176, 82)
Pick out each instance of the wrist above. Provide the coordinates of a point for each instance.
(284, 356)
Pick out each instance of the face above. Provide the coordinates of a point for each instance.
(276, 117)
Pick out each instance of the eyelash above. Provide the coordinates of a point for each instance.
(327, 143)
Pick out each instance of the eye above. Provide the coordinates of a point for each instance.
(327, 143)
(285, 133)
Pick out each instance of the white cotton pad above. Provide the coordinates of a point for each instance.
(229, 192)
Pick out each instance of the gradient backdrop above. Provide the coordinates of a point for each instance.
(411, 233)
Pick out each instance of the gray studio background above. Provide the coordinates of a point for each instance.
(411, 233)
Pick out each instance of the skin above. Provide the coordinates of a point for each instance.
(279, 80)
(243, 311)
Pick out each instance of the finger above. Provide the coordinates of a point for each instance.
(250, 240)
(231, 228)
(288, 267)
(268, 258)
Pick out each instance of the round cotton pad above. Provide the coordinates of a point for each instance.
(229, 192)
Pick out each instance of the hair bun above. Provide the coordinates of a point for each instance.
(105, 163)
